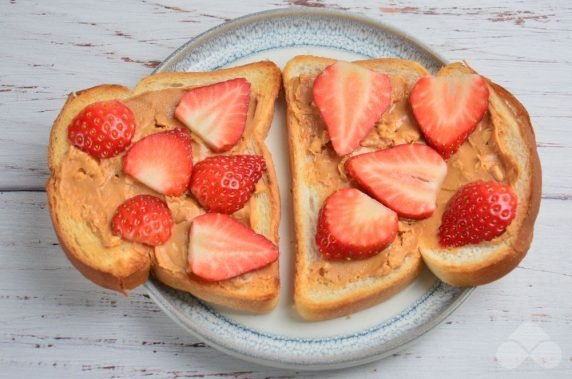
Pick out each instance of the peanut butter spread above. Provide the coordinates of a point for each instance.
(476, 159)
(93, 189)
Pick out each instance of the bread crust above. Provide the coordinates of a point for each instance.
(315, 311)
(260, 301)
(261, 298)
(120, 283)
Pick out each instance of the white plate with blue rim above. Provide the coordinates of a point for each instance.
(281, 338)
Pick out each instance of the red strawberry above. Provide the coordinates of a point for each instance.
(352, 225)
(225, 183)
(479, 211)
(143, 218)
(448, 108)
(221, 248)
(406, 178)
(103, 129)
(162, 161)
(217, 113)
(351, 99)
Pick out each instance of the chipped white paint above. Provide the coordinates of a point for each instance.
(55, 324)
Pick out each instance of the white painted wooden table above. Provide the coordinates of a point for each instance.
(55, 324)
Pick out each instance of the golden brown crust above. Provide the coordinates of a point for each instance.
(524, 237)
(474, 275)
(293, 138)
(121, 283)
(135, 271)
(315, 311)
(259, 301)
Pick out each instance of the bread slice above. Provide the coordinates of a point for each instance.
(331, 289)
(514, 139)
(120, 265)
(323, 289)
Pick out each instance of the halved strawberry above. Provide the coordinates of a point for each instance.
(406, 178)
(448, 108)
(103, 129)
(351, 99)
(479, 211)
(352, 225)
(221, 248)
(143, 218)
(162, 161)
(225, 183)
(217, 113)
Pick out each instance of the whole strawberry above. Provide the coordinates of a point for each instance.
(479, 211)
(103, 129)
(143, 218)
(225, 183)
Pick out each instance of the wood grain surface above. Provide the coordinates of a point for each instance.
(55, 324)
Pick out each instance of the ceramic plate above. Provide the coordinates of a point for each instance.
(281, 338)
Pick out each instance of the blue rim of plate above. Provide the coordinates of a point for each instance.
(223, 45)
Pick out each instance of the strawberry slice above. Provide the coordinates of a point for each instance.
(406, 178)
(143, 218)
(351, 99)
(479, 211)
(352, 225)
(217, 113)
(448, 108)
(162, 161)
(221, 248)
(225, 183)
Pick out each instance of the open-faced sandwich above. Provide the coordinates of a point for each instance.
(392, 166)
(172, 178)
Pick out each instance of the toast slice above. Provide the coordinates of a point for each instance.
(327, 289)
(119, 265)
(514, 140)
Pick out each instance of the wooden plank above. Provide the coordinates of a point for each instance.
(51, 49)
(55, 322)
